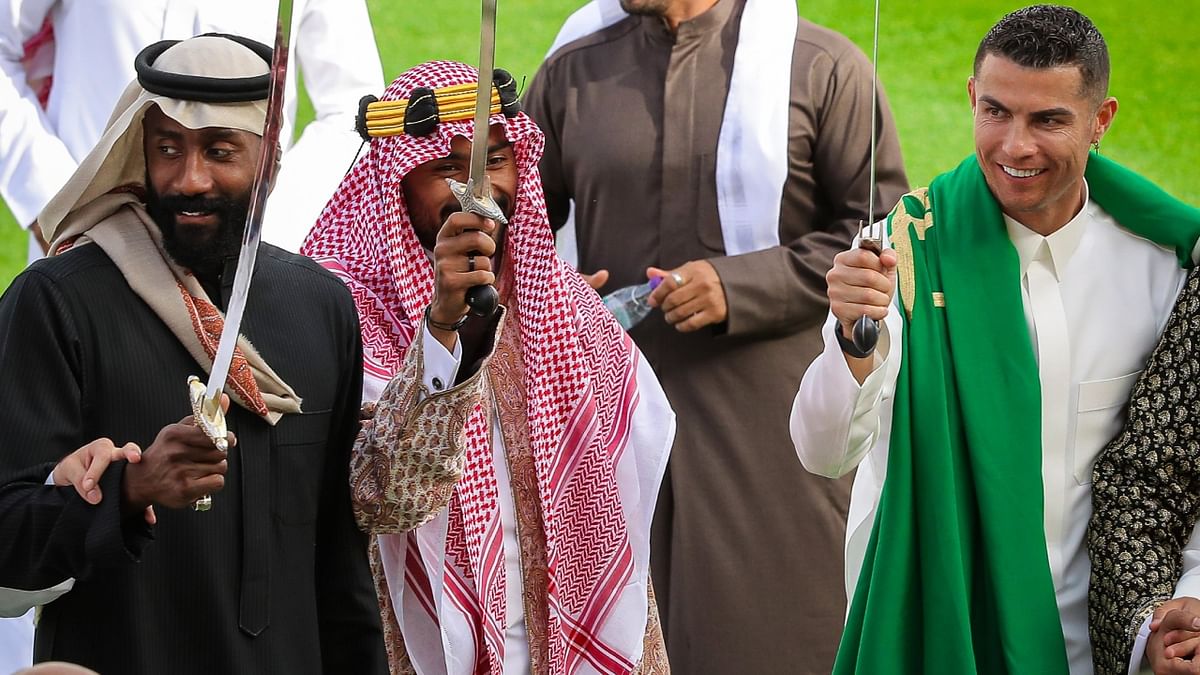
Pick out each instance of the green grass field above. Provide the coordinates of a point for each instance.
(926, 51)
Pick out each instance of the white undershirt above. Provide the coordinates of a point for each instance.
(1116, 291)
(441, 367)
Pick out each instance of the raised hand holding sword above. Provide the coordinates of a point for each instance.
(862, 281)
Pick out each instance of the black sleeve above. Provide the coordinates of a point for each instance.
(50, 533)
(348, 611)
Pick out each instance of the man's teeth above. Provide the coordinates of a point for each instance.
(1020, 173)
(194, 213)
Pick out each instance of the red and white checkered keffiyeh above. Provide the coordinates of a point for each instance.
(586, 405)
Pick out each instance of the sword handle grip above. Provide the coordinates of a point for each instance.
(865, 334)
(483, 300)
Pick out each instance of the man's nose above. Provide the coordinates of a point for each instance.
(194, 177)
(1019, 142)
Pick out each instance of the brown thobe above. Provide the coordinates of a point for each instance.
(747, 546)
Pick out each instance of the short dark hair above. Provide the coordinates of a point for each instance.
(1047, 36)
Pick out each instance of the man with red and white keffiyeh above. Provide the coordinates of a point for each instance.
(511, 465)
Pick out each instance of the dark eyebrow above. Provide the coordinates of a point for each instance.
(1048, 112)
(1054, 112)
(993, 102)
(222, 134)
(493, 148)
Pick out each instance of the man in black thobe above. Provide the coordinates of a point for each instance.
(98, 341)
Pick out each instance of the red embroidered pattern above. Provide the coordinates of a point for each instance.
(207, 323)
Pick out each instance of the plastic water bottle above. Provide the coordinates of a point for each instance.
(630, 304)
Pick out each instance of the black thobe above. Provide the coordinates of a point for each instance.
(275, 578)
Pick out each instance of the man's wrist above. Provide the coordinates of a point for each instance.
(847, 345)
(448, 326)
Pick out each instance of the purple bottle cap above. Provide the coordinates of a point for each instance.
(655, 282)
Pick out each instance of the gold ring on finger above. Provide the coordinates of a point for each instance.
(678, 278)
(202, 504)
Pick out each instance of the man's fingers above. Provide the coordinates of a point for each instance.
(205, 485)
(88, 486)
(679, 297)
(597, 279)
(668, 285)
(695, 322)
(149, 516)
(684, 311)
(461, 221)
(857, 311)
(859, 295)
(853, 277)
(861, 259)
(1179, 619)
(459, 247)
(130, 452)
(1183, 649)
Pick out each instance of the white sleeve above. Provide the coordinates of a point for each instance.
(339, 62)
(35, 163)
(834, 420)
(441, 366)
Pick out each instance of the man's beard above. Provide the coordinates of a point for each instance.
(645, 7)
(203, 255)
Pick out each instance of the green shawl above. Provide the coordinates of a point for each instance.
(956, 577)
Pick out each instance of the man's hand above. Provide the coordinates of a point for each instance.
(181, 466)
(84, 467)
(1175, 637)
(596, 280)
(461, 260)
(691, 296)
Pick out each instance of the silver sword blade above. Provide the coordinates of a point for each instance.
(263, 178)
(876, 235)
(483, 100)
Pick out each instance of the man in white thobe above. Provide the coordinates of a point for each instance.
(1094, 294)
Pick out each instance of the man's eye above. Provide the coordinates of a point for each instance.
(220, 153)
(167, 151)
(496, 160)
(994, 113)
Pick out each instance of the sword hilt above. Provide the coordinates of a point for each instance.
(211, 420)
(865, 334)
(483, 299)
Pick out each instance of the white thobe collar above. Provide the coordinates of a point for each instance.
(1062, 244)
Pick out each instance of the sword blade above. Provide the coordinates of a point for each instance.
(483, 98)
(874, 124)
(263, 177)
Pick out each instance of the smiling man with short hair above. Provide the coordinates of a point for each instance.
(1033, 280)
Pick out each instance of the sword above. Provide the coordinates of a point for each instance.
(865, 334)
(475, 196)
(206, 408)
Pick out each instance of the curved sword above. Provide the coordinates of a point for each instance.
(206, 400)
(475, 196)
(870, 237)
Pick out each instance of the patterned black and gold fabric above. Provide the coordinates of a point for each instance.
(1146, 490)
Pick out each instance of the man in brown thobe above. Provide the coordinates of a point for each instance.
(747, 546)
